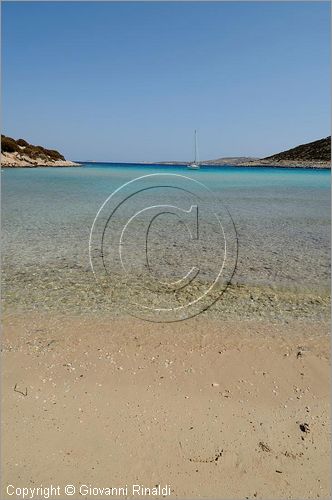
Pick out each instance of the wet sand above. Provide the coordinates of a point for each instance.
(212, 408)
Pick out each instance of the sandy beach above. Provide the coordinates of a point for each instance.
(166, 306)
(212, 409)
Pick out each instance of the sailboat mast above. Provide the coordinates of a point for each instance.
(195, 163)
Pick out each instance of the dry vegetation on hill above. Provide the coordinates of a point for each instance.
(19, 153)
(312, 151)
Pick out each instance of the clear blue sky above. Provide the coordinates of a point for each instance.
(130, 81)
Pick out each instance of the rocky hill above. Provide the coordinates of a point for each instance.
(19, 153)
(316, 154)
(312, 151)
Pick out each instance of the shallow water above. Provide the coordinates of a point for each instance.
(282, 221)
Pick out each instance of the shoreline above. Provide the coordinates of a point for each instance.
(283, 165)
(238, 301)
(325, 166)
(53, 165)
(23, 158)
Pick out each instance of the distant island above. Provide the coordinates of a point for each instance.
(316, 154)
(19, 153)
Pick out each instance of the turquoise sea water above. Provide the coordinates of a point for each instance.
(282, 218)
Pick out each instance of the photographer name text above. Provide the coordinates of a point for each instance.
(87, 490)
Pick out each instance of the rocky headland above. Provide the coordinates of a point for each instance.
(316, 154)
(19, 153)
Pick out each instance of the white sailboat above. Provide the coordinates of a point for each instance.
(195, 164)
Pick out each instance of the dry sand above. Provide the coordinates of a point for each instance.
(213, 409)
